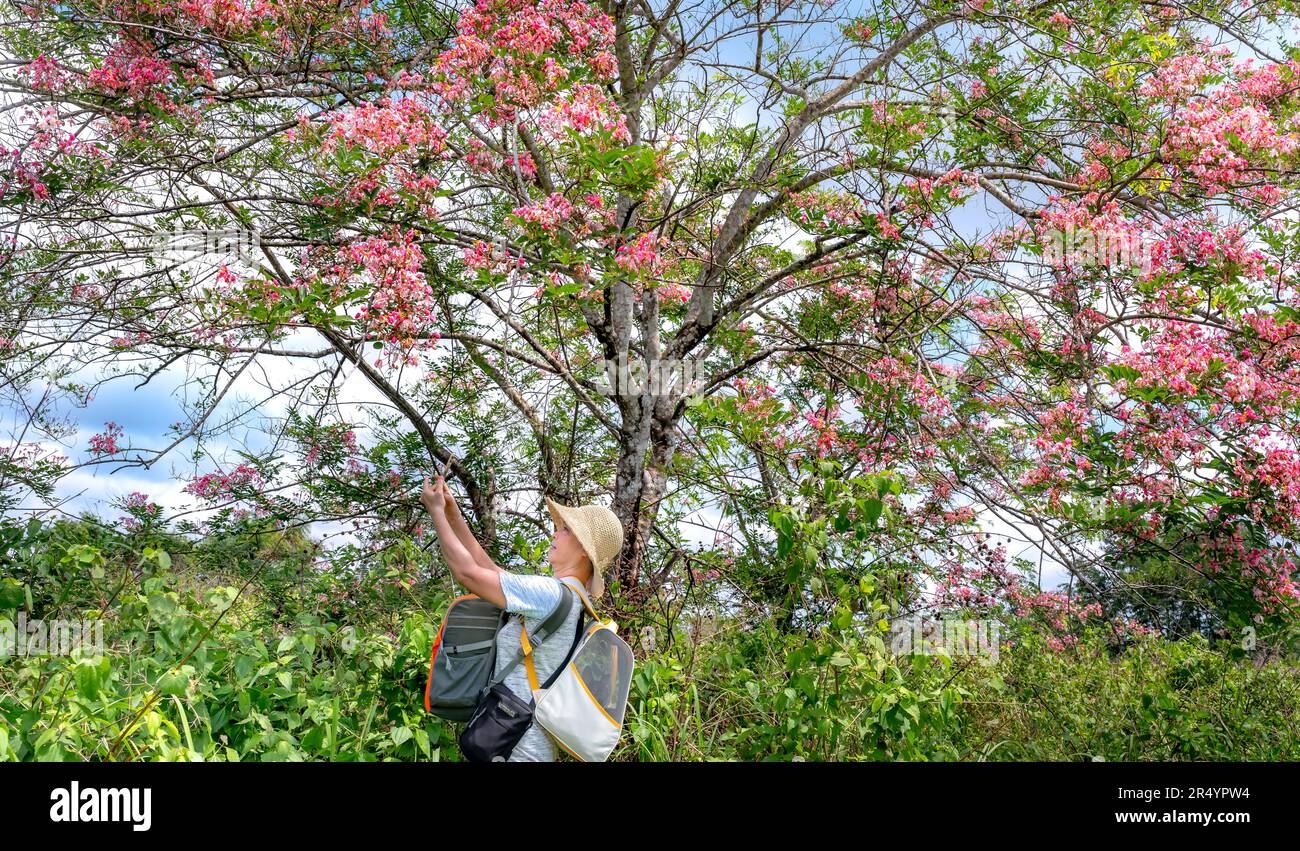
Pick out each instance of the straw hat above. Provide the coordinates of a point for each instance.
(598, 530)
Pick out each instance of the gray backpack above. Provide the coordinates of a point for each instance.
(464, 654)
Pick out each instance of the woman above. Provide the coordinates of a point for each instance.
(586, 538)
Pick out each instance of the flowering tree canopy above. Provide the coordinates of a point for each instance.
(921, 273)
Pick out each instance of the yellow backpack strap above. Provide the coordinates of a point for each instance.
(527, 647)
(586, 602)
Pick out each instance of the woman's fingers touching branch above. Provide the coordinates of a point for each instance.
(434, 495)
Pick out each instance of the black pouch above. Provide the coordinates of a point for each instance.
(498, 723)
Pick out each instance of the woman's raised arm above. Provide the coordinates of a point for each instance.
(457, 520)
(474, 577)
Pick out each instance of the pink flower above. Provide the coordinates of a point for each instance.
(106, 443)
(214, 486)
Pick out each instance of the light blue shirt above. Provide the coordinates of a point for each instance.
(534, 597)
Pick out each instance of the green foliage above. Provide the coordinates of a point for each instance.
(1159, 700)
(241, 647)
(210, 659)
(768, 698)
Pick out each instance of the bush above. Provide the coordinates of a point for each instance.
(243, 647)
(1158, 700)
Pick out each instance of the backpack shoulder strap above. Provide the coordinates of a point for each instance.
(548, 627)
(573, 647)
(586, 602)
(559, 669)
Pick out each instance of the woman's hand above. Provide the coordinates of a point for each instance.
(453, 507)
(434, 496)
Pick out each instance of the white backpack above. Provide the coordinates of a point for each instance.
(583, 708)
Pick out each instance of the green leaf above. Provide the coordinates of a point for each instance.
(161, 606)
(176, 682)
(91, 676)
(12, 593)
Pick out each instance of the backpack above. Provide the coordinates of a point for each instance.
(463, 657)
(582, 708)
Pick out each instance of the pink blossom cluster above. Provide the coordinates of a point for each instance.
(756, 402)
(49, 143)
(823, 424)
(400, 310)
(1270, 573)
(965, 514)
(1055, 607)
(820, 209)
(1101, 155)
(912, 383)
(1179, 353)
(887, 228)
(860, 30)
(479, 158)
(584, 110)
(1228, 137)
(993, 318)
(978, 582)
(699, 576)
(1178, 77)
(330, 442)
(1201, 243)
(46, 75)
(404, 138)
(385, 128)
(141, 511)
(132, 71)
(642, 257)
(1076, 232)
(1270, 476)
(506, 43)
(1273, 577)
(670, 293)
(952, 180)
(226, 18)
(31, 456)
(985, 582)
(105, 443)
(1186, 359)
(214, 486)
(490, 258)
(127, 341)
(547, 214)
(1275, 80)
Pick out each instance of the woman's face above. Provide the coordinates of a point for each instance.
(565, 551)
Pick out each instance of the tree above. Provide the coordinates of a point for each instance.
(505, 202)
